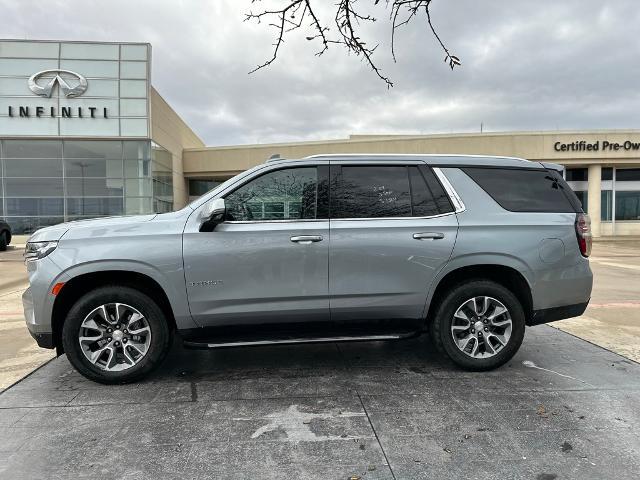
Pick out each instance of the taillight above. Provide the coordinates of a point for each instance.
(583, 232)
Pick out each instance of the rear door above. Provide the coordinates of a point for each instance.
(393, 228)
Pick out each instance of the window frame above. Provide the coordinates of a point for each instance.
(322, 203)
(456, 204)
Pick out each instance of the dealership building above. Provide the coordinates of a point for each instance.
(84, 134)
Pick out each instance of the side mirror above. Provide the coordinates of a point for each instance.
(212, 214)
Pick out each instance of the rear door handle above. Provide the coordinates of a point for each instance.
(306, 239)
(428, 235)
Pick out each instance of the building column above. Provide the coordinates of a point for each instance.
(180, 185)
(593, 198)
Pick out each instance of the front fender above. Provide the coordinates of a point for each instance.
(174, 290)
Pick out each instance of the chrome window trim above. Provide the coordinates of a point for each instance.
(286, 220)
(391, 218)
(353, 219)
(457, 202)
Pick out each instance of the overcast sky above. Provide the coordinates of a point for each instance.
(543, 65)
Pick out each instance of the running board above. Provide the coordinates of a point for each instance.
(291, 341)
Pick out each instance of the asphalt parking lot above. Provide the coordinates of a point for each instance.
(562, 408)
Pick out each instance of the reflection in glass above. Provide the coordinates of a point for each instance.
(606, 205)
(34, 206)
(283, 194)
(28, 225)
(93, 149)
(94, 187)
(31, 149)
(33, 167)
(627, 205)
(33, 187)
(370, 192)
(38, 174)
(93, 207)
(93, 167)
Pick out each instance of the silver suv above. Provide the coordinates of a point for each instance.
(327, 248)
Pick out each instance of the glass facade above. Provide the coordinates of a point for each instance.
(199, 186)
(44, 182)
(620, 189)
(162, 179)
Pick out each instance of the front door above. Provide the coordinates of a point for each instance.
(392, 229)
(268, 261)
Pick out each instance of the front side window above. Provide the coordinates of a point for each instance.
(286, 194)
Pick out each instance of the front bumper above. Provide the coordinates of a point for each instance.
(557, 313)
(44, 339)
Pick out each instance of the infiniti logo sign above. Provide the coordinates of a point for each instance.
(71, 84)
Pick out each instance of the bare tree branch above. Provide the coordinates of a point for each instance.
(347, 19)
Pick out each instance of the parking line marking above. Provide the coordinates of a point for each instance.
(620, 265)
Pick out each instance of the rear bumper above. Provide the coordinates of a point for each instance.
(557, 313)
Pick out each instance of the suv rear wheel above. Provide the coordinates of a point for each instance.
(3, 241)
(479, 325)
(115, 335)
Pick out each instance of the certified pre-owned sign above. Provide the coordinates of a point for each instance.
(70, 84)
(604, 145)
(42, 84)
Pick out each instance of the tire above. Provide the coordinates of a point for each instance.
(117, 367)
(456, 301)
(3, 241)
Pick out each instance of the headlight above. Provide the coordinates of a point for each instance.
(37, 250)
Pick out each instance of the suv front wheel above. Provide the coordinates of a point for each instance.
(479, 325)
(115, 335)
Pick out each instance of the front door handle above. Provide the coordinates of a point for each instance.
(428, 235)
(306, 239)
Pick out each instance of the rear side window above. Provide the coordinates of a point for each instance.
(428, 198)
(521, 190)
(372, 191)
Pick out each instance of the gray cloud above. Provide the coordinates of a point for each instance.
(526, 66)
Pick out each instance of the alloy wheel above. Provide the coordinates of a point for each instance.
(115, 337)
(481, 327)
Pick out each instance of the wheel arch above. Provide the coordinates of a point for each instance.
(81, 284)
(506, 275)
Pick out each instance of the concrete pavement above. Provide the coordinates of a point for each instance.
(561, 409)
(612, 319)
(19, 353)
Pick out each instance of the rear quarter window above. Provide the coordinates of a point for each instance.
(524, 190)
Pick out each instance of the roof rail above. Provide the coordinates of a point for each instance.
(273, 158)
(368, 155)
